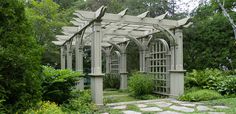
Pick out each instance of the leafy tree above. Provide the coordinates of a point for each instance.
(47, 22)
(20, 59)
(65, 4)
(139, 6)
(209, 42)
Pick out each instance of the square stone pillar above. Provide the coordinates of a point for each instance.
(177, 72)
(108, 60)
(68, 56)
(96, 65)
(142, 60)
(79, 63)
(176, 82)
(123, 72)
(63, 58)
(179, 49)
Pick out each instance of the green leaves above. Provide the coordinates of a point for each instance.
(63, 75)
(57, 84)
(200, 95)
(20, 58)
(209, 43)
(141, 84)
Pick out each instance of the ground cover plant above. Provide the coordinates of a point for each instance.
(210, 84)
(200, 95)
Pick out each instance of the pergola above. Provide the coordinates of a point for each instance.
(111, 33)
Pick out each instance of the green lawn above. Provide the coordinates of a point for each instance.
(114, 96)
(230, 102)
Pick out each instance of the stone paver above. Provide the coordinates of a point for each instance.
(131, 112)
(151, 109)
(169, 112)
(203, 108)
(188, 104)
(220, 107)
(165, 106)
(216, 113)
(120, 107)
(141, 105)
(182, 108)
(162, 104)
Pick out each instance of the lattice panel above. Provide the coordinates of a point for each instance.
(114, 65)
(159, 68)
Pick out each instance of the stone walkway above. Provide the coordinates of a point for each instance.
(163, 106)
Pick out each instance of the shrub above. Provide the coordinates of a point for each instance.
(227, 86)
(111, 81)
(200, 95)
(212, 79)
(141, 84)
(45, 108)
(20, 57)
(82, 103)
(203, 78)
(58, 84)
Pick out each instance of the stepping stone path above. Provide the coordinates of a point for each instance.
(163, 106)
(181, 108)
(151, 109)
(203, 108)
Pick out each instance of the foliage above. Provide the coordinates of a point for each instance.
(227, 86)
(212, 79)
(141, 84)
(200, 95)
(207, 40)
(111, 81)
(2, 108)
(203, 78)
(45, 107)
(57, 84)
(47, 20)
(20, 59)
(82, 104)
(65, 4)
(139, 6)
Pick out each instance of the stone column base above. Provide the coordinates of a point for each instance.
(123, 81)
(176, 82)
(97, 88)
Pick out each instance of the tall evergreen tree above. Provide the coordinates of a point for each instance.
(20, 58)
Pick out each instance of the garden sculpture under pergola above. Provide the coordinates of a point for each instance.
(111, 33)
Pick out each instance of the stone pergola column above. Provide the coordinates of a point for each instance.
(96, 65)
(142, 54)
(79, 62)
(123, 67)
(68, 56)
(108, 59)
(177, 73)
(63, 58)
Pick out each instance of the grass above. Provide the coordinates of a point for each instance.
(230, 102)
(114, 96)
